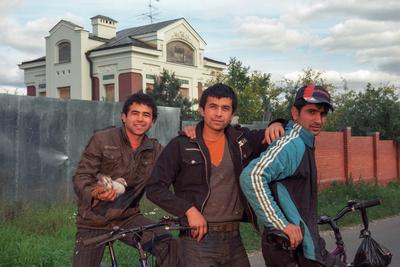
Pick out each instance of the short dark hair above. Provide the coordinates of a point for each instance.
(141, 98)
(300, 103)
(219, 90)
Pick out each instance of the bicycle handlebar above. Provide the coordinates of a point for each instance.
(117, 233)
(368, 204)
(351, 206)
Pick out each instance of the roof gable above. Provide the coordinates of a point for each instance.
(66, 23)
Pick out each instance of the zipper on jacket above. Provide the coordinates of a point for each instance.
(208, 185)
(252, 219)
(240, 149)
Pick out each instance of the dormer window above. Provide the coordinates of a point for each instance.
(64, 52)
(179, 52)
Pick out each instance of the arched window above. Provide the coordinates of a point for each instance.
(64, 52)
(179, 52)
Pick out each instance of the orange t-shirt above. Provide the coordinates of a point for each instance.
(216, 149)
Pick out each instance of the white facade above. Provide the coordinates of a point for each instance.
(107, 62)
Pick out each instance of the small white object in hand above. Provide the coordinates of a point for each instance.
(118, 184)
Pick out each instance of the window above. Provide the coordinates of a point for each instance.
(64, 52)
(184, 92)
(64, 92)
(179, 52)
(149, 87)
(109, 90)
(42, 93)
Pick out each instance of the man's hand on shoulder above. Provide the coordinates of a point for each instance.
(274, 131)
(190, 131)
(197, 222)
(294, 233)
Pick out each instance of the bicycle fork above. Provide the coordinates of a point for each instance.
(142, 255)
(112, 255)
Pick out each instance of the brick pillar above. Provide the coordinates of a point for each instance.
(95, 89)
(347, 154)
(31, 90)
(375, 140)
(398, 161)
(199, 90)
(129, 83)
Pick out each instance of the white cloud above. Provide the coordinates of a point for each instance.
(376, 42)
(355, 80)
(361, 34)
(268, 33)
(29, 36)
(8, 6)
(387, 10)
(23, 42)
(10, 74)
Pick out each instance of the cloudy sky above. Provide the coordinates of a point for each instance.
(355, 40)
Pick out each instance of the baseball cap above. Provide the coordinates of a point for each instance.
(314, 94)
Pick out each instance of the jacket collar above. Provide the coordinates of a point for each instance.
(305, 135)
(230, 132)
(146, 142)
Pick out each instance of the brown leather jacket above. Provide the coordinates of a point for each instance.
(109, 153)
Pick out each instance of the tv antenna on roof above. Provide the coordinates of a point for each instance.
(152, 13)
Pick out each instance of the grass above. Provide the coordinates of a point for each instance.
(43, 235)
(334, 198)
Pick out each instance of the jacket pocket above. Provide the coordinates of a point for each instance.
(144, 165)
(111, 158)
(194, 166)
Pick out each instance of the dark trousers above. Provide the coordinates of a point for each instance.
(216, 249)
(277, 257)
(158, 242)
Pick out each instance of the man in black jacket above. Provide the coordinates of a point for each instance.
(204, 172)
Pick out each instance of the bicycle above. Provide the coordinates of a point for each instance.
(351, 206)
(282, 240)
(167, 223)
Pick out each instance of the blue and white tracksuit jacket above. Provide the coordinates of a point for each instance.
(281, 186)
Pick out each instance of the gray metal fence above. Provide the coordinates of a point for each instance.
(41, 140)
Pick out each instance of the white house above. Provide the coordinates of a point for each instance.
(110, 65)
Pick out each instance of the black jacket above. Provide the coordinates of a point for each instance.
(185, 163)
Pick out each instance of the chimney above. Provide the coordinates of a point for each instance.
(104, 27)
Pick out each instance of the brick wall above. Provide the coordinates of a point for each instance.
(342, 157)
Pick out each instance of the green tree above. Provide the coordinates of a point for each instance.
(253, 90)
(288, 89)
(368, 111)
(166, 92)
(238, 75)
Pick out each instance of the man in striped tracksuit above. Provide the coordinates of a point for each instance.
(281, 185)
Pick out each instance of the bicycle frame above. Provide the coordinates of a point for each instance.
(118, 233)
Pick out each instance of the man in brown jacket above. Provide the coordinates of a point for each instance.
(109, 182)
